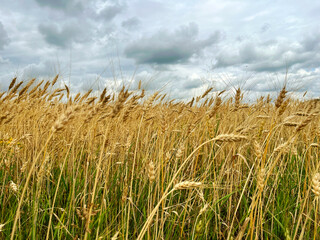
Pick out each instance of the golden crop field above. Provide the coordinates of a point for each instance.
(129, 166)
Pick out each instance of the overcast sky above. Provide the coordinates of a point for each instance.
(180, 47)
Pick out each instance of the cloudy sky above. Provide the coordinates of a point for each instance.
(180, 47)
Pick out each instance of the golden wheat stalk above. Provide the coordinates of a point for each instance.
(316, 184)
(54, 81)
(187, 185)
(151, 171)
(290, 124)
(12, 83)
(257, 149)
(237, 99)
(14, 187)
(281, 97)
(149, 102)
(260, 178)
(230, 138)
(207, 92)
(284, 147)
(23, 90)
(315, 145)
(64, 119)
(305, 122)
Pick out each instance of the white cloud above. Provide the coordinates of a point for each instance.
(63, 36)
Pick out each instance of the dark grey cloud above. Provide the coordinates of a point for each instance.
(131, 23)
(311, 42)
(272, 55)
(109, 12)
(4, 39)
(63, 36)
(265, 27)
(192, 84)
(4, 61)
(170, 47)
(71, 6)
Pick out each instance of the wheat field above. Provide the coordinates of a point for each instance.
(128, 166)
